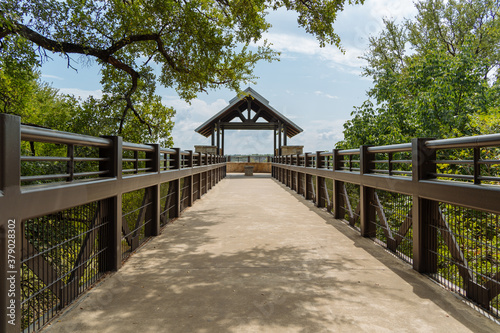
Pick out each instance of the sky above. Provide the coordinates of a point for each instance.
(316, 88)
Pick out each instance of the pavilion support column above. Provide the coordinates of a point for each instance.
(274, 131)
(284, 135)
(213, 136)
(279, 138)
(222, 152)
(218, 138)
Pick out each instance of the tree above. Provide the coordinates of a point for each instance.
(189, 45)
(432, 75)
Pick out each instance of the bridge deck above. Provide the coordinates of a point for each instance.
(252, 256)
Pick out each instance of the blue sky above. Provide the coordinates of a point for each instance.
(314, 87)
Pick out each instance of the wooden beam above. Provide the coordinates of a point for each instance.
(248, 126)
(257, 116)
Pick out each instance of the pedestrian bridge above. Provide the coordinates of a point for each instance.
(253, 256)
(101, 235)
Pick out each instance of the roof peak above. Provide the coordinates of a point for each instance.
(249, 92)
(248, 100)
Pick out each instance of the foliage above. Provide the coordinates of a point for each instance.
(431, 75)
(16, 81)
(187, 45)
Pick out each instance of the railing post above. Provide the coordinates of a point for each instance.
(177, 183)
(10, 226)
(320, 198)
(279, 171)
(190, 165)
(200, 162)
(308, 180)
(424, 212)
(366, 195)
(113, 164)
(153, 212)
(288, 171)
(336, 185)
(297, 174)
(272, 168)
(283, 170)
(206, 173)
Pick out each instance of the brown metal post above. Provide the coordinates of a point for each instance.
(113, 165)
(70, 166)
(153, 211)
(10, 226)
(10, 149)
(336, 185)
(308, 178)
(309, 187)
(190, 165)
(477, 166)
(297, 174)
(177, 183)
(423, 210)
(287, 171)
(367, 211)
(206, 173)
(319, 183)
(199, 176)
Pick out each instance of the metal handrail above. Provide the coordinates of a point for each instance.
(487, 140)
(137, 147)
(396, 148)
(30, 133)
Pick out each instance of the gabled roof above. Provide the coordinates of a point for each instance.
(238, 116)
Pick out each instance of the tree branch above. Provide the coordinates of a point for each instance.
(105, 55)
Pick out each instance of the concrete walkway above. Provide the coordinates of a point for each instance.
(252, 256)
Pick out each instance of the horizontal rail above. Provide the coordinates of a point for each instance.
(167, 151)
(349, 152)
(30, 133)
(402, 147)
(488, 140)
(452, 161)
(137, 147)
(136, 160)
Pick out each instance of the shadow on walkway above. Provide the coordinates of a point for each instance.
(253, 256)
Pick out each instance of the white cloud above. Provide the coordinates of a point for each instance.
(47, 76)
(82, 93)
(308, 46)
(354, 25)
(320, 135)
(320, 93)
(188, 117)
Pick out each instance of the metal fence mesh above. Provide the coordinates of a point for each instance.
(63, 254)
(466, 249)
(349, 203)
(135, 219)
(393, 222)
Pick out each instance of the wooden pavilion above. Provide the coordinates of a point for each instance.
(249, 111)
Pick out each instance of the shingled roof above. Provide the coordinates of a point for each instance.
(249, 111)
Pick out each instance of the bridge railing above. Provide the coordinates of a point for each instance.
(249, 158)
(73, 207)
(433, 203)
